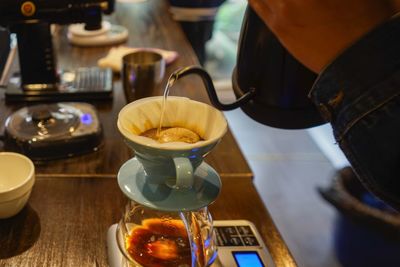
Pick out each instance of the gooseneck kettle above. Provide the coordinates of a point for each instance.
(270, 85)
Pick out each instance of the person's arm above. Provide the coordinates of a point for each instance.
(358, 88)
(314, 31)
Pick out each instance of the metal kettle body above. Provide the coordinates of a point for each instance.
(270, 85)
(281, 83)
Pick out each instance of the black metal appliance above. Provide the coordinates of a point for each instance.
(39, 79)
(53, 130)
(270, 85)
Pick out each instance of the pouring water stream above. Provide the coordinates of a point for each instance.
(171, 81)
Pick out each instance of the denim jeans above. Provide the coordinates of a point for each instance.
(359, 94)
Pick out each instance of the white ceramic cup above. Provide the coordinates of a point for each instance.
(17, 176)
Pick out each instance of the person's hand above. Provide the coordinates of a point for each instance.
(317, 31)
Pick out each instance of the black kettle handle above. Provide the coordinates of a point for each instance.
(208, 83)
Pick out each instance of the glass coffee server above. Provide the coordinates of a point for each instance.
(166, 221)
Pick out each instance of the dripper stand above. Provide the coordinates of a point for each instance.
(136, 186)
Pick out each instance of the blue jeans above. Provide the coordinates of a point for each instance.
(359, 94)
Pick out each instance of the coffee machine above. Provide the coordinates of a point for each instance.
(39, 79)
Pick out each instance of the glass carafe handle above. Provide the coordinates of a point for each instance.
(201, 236)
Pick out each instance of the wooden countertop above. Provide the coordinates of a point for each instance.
(66, 221)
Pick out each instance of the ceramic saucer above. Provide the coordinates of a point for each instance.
(132, 181)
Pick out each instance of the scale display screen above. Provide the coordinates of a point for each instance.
(240, 245)
(247, 259)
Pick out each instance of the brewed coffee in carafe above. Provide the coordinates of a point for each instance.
(154, 238)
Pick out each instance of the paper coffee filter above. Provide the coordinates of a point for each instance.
(144, 114)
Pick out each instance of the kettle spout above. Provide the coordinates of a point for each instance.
(208, 83)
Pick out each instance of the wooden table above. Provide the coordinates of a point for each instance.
(75, 200)
(67, 218)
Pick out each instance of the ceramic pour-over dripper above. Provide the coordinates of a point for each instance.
(167, 222)
(170, 176)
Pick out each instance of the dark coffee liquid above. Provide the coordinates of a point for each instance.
(160, 243)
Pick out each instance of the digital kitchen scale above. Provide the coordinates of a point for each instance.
(52, 131)
(240, 244)
(83, 83)
(238, 241)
